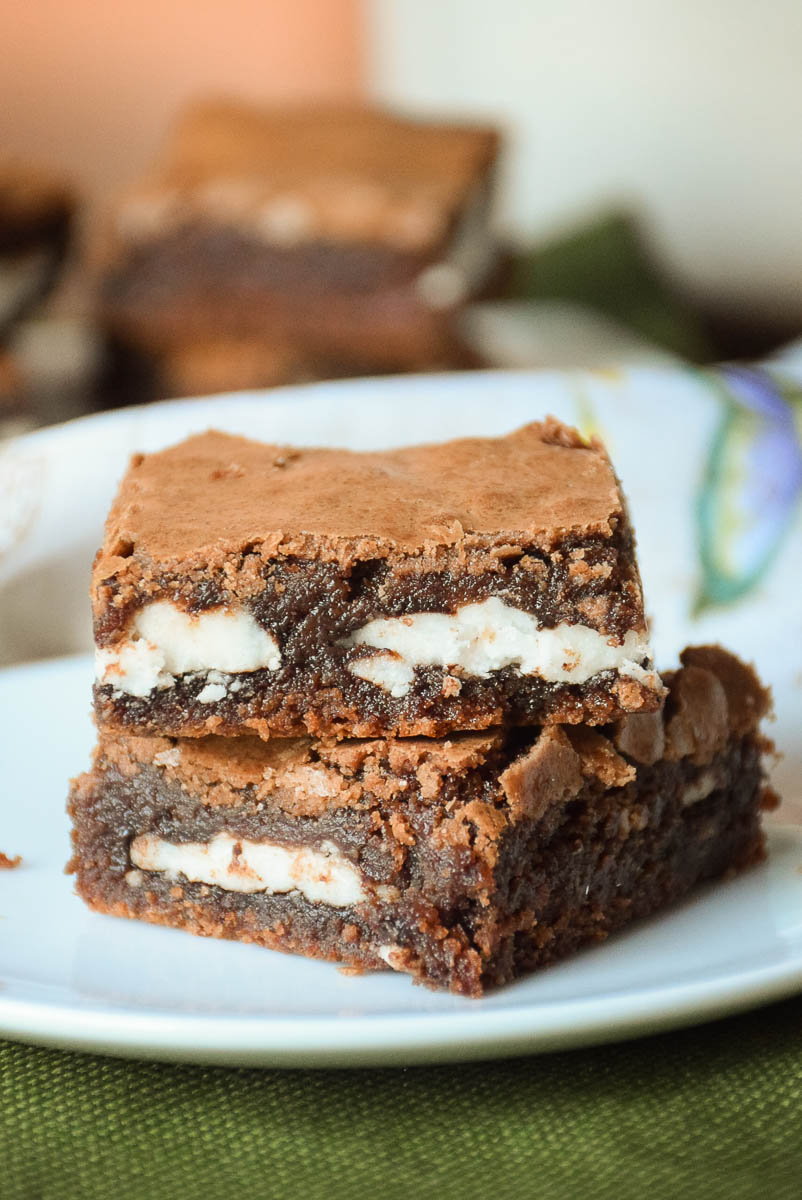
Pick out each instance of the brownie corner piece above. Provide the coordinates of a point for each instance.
(415, 592)
(464, 862)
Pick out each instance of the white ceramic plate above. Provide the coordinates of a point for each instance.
(75, 979)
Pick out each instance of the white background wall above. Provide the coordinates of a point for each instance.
(692, 109)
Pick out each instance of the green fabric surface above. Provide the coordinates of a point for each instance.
(712, 1112)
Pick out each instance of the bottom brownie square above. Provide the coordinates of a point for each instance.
(463, 862)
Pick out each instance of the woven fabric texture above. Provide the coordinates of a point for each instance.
(713, 1112)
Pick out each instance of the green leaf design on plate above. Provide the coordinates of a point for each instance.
(751, 486)
(587, 421)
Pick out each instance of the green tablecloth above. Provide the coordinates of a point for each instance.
(712, 1112)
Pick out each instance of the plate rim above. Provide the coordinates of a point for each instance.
(350, 387)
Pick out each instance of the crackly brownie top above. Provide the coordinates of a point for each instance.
(353, 174)
(214, 495)
(301, 776)
(712, 698)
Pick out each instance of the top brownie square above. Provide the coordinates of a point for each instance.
(414, 592)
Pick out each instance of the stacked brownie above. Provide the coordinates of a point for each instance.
(272, 245)
(399, 709)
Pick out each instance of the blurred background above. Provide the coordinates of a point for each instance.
(648, 192)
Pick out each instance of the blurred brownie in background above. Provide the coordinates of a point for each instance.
(36, 214)
(298, 243)
(15, 415)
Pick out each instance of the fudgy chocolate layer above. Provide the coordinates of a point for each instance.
(465, 918)
(323, 697)
(205, 259)
(386, 330)
(306, 603)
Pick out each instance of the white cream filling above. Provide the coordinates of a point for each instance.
(484, 637)
(389, 954)
(323, 876)
(387, 671)
(478, 639)
(700, 788)
(285, 220)
(167, 642)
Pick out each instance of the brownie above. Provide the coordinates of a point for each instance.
(463, 861)
(35, 218)
(349, 235)
(15, 410)
(419, 591)
(211, 365)
(139, 371)
(203, 366)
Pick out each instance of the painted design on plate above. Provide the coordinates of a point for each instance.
(752, 482)
(587, 419)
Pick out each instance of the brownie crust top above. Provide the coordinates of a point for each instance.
(215, 494)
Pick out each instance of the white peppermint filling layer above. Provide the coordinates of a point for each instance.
(167, 642)
(700, 788)
(484, 637)
(323, 875)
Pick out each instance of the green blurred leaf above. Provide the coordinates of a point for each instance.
(606, 265)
